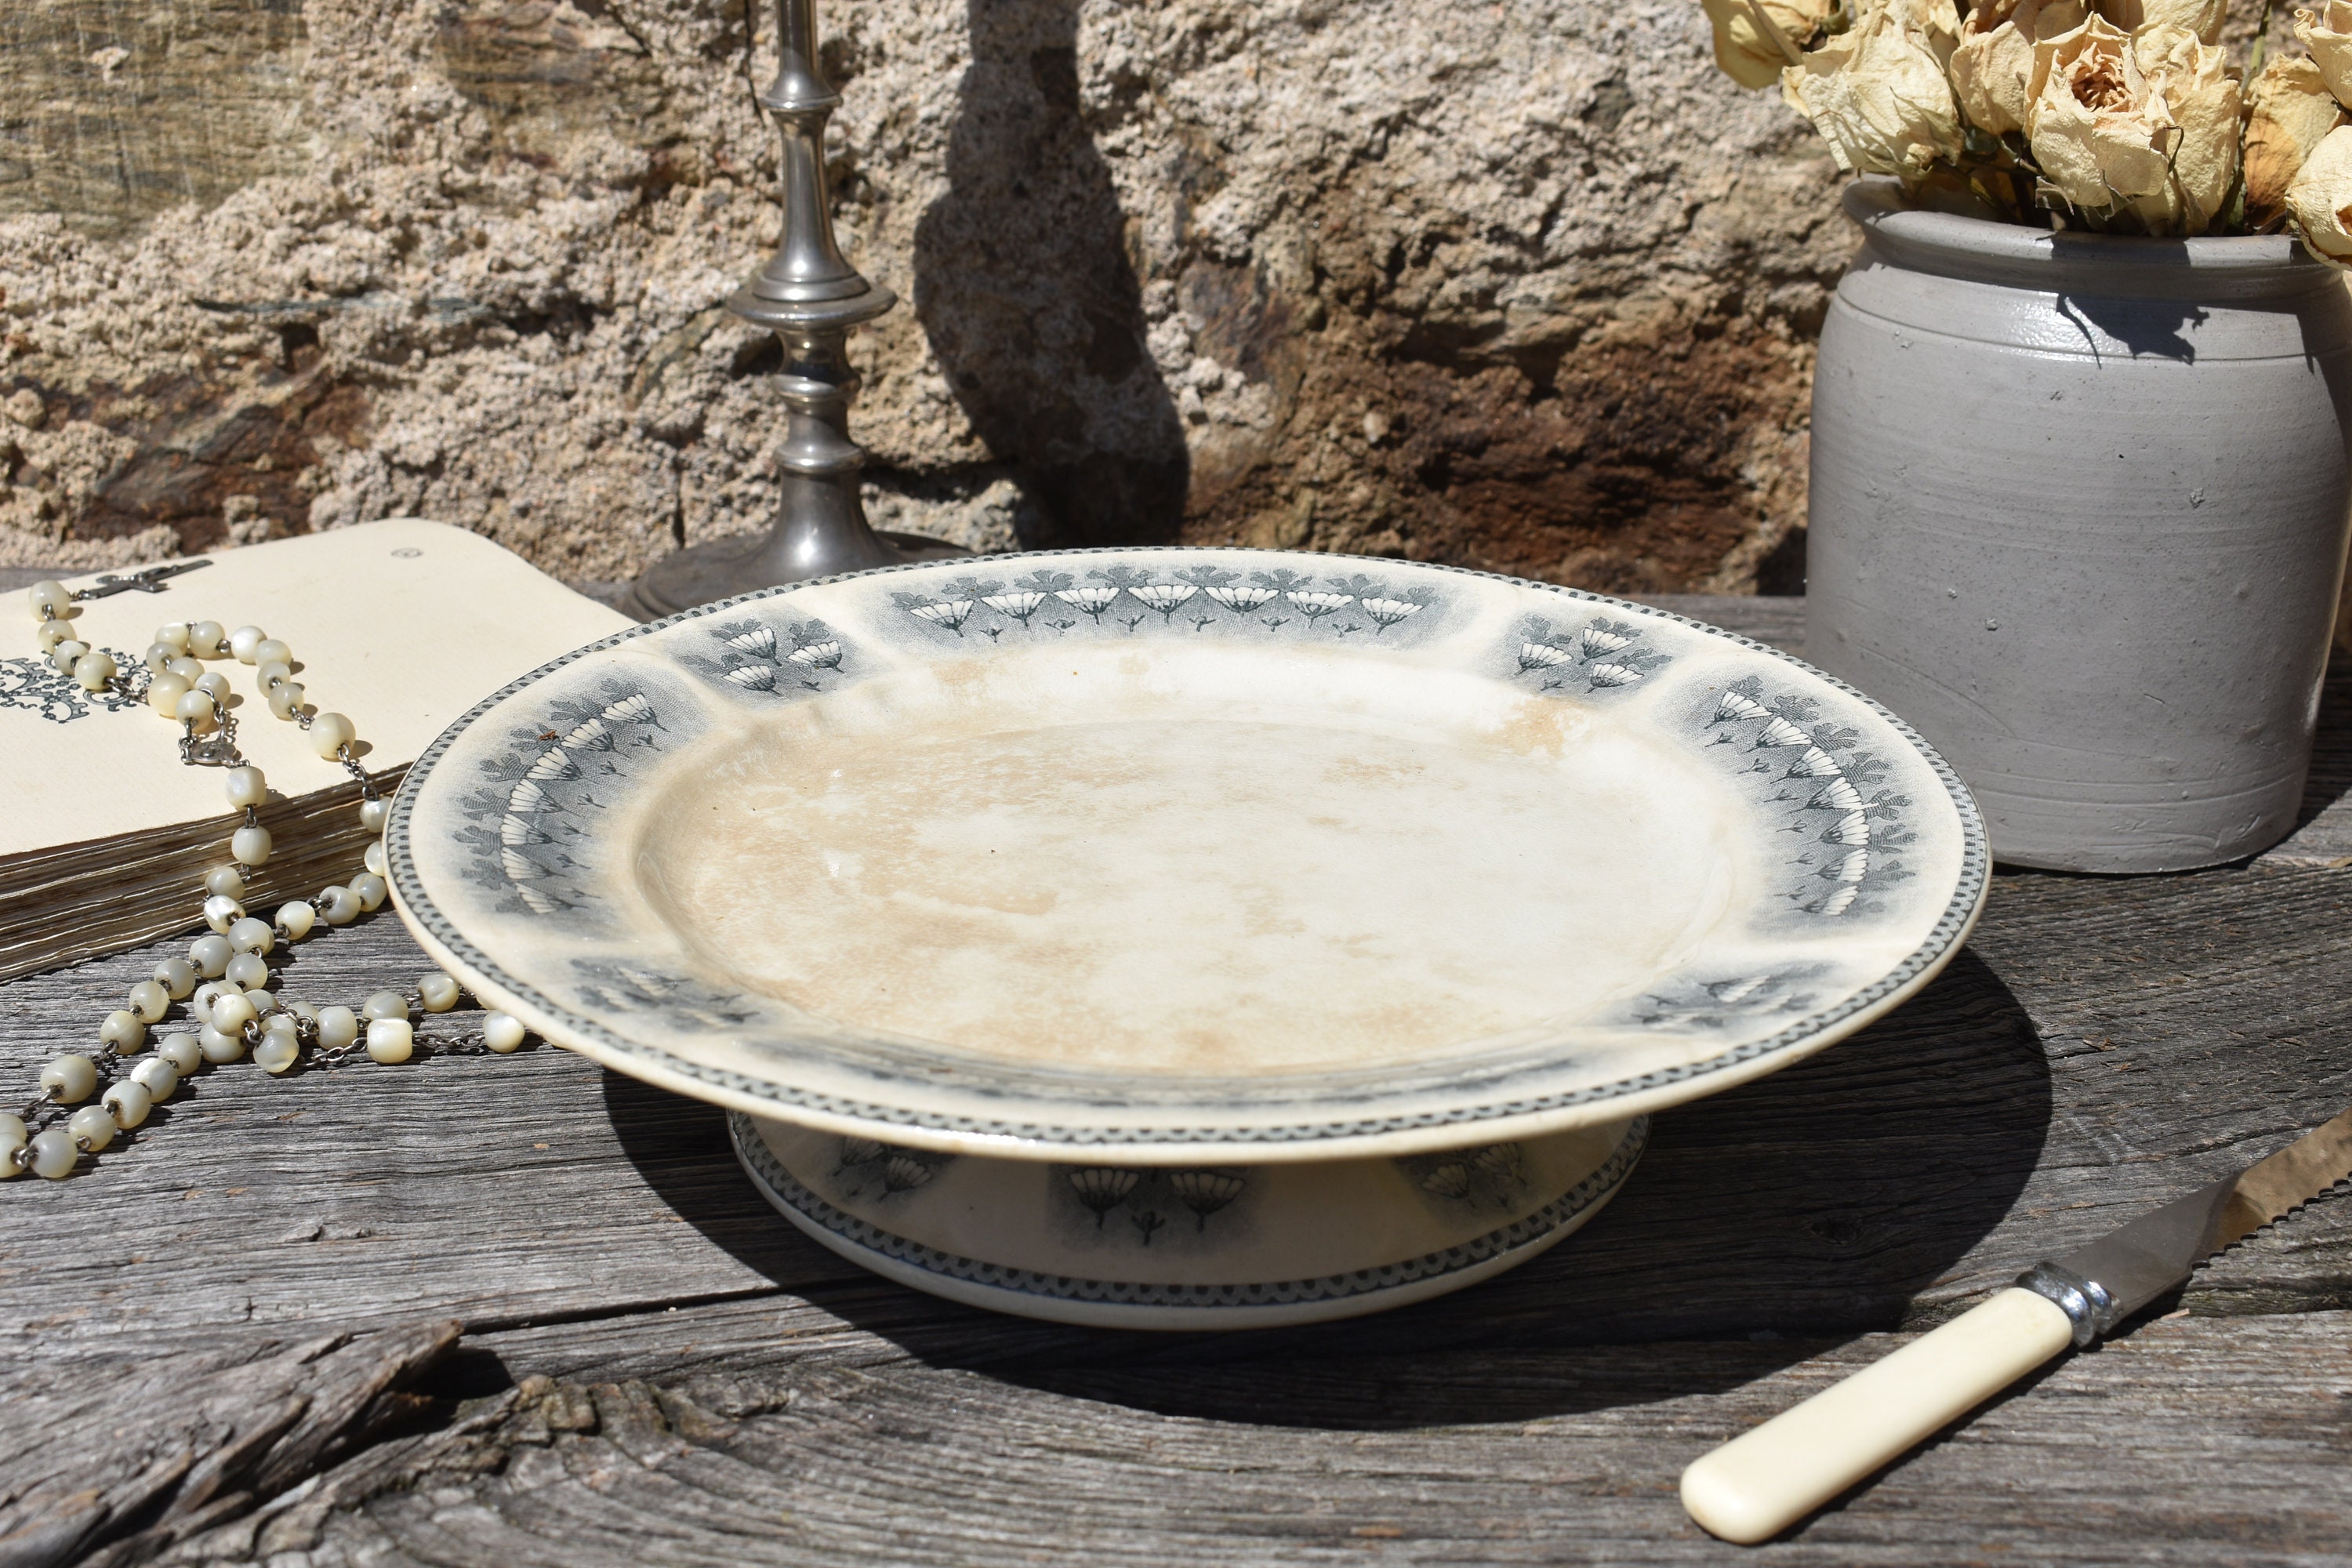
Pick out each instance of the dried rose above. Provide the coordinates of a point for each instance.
(1936, 23)
(2321, 197)
(2327, 34)
(2147, 125)
(2088, 120)
(1749, 34)
(2203, 18)
(1992, 70)
(2292, 113)
(1877, 93)
(2196, 85)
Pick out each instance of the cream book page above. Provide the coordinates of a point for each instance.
(398, 626)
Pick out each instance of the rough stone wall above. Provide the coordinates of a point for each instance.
(1520, 284)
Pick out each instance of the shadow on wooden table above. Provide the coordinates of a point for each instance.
(1811, 1204)
(2331, 751)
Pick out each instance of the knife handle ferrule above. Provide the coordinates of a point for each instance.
(2086, 1303)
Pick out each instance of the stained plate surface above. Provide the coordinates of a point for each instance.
(1187, 855)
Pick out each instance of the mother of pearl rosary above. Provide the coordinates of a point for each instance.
(224, 983)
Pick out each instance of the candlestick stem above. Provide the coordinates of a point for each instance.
(810, 296)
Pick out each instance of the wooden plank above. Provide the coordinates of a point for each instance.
(510, 1192)
(2189, 1442)
(2103, 1045)
(2323, 834)
(131, 1451)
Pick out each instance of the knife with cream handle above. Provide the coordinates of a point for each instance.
(1764, 1480)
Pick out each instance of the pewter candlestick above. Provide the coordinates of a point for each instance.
(810, 296)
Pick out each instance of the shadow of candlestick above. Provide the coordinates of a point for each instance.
(1023, 286)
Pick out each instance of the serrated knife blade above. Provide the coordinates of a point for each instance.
(1766, 1479)
(2100, 1285)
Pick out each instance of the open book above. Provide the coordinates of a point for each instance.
(106, 835)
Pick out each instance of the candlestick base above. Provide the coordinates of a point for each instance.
(724, 568)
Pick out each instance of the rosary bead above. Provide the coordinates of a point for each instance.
(374, 813)
(264, 1000)
(370, 888)
(188, 670)
(211, 954)
(221, 912)
(92, 670)
(177, 976)
(158, 1075)
(47, 597)
(277, 1053)
(200, 1005)
(215, 682)
(92, 1128)
(122, 1032)
(218, 1046)
(339, 905)
(296, 1010)
(390, 1040)
(196, 710)
(174, 634)
(375, 860)
(53, 633)
(204, 641)
(150, 1000)
(502, 1033)
(159, 656)
(251, 846)
(245, 786)
(272, 650)
(269, 672)
(329, 733)
(385, 1004)
(128, 1103)
(436, 992)
(227, 882)
(54, 1154)
(13, 1137)
(247, 970)
(295, 919)
(250, 935)
(338, 1027)
(286, 699)
(231, 1012)
(163, 694)
(70, 1080)
(67, 654)
(243, 641)
(180, 1053)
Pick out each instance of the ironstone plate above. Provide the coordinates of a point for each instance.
(1186, 855)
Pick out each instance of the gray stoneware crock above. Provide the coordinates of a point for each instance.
(2078, 513)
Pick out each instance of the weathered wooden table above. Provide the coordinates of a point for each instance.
(477, 1310)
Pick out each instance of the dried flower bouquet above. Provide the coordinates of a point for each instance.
(2124, 117)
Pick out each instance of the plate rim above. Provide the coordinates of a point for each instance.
(1637, 1094)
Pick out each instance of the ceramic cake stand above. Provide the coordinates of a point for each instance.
(1186, 938)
